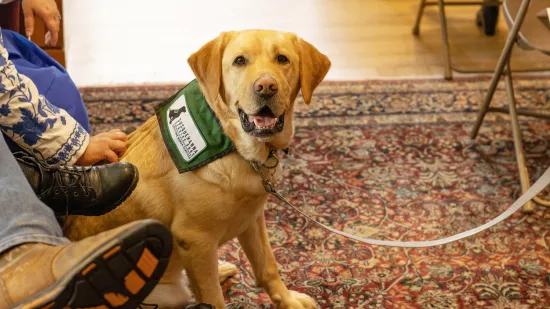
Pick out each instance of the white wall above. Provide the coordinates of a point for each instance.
(111, 42)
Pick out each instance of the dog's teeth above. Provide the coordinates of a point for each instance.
(264, 122)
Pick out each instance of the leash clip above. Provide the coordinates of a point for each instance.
(268, 186)
(272, 157)
(271, 163)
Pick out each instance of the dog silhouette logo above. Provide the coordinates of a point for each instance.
(175, 113)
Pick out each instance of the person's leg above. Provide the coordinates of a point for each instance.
(41, 269)
(23, 218)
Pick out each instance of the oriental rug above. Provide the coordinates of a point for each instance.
(392, 160)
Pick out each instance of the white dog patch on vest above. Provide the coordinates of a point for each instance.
(184, 131)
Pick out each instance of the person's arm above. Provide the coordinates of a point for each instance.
(37, 126)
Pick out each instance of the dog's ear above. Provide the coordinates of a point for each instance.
(313, 68)
(206, 64)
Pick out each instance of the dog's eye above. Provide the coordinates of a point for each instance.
(282, 59)
(239, 61)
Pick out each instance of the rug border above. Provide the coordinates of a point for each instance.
(377, 80)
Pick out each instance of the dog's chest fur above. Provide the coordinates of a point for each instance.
(224, 198)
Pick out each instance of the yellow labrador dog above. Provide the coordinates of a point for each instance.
(251, 80)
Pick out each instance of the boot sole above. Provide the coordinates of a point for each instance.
(120, 274)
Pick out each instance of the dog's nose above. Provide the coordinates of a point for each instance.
(265, 87)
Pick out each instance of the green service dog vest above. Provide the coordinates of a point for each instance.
(190, 129)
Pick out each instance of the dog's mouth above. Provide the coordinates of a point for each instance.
(262, 124)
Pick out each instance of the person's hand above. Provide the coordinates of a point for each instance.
(47, 10)
(104, 146)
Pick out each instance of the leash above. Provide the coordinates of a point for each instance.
(535, 189)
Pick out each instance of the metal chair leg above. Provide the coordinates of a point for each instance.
(416, 28)
(502, 61)
(529, 207)
(445, 41)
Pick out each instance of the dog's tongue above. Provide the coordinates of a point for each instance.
(263, 121)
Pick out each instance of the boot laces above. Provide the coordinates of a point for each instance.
(63, 176)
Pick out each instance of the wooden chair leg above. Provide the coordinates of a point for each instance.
(416, 28)
(529, 207)
(445, 41)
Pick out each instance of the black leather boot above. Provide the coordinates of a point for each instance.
(78, 190)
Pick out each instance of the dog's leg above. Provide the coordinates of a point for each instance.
(200, 260)
(255, 243)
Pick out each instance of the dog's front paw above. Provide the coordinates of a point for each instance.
(226, 270)
(297, 300)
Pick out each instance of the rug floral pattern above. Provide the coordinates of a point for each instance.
(392, 160)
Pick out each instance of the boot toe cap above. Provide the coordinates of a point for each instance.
(118, 181)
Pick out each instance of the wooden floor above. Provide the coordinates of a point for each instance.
(109, 44)
(379, 41)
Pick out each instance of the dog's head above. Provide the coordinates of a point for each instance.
(252, 78)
